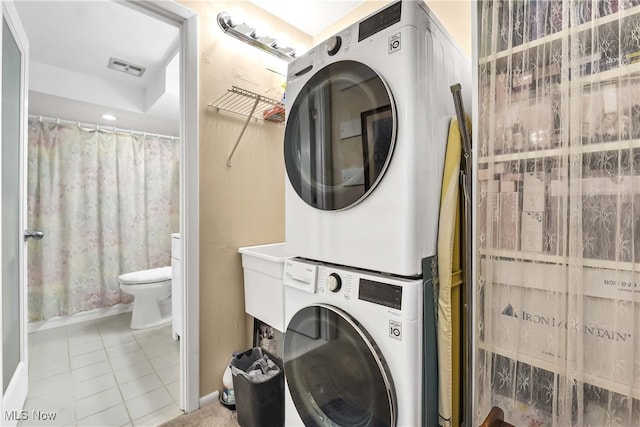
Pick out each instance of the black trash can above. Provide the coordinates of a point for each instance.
(259, 401)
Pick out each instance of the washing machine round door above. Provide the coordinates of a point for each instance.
(335, 373)
(340, 134)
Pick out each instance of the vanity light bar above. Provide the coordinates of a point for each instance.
(249, 35)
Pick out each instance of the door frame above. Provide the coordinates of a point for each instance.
(187, 21)
(16, 392)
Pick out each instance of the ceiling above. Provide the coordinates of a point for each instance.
(71, 43)
(309, 16)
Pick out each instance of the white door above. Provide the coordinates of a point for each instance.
(13, 126)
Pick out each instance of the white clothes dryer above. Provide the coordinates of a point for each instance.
(367, 123)
(352, 348)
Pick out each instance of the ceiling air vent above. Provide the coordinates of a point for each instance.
(126, 67)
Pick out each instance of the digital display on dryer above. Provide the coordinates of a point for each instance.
(379, 21)
(380, 293)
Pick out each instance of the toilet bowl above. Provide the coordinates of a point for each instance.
(149, 287)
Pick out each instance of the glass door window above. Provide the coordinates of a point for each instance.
(340, 135)
(336, 376)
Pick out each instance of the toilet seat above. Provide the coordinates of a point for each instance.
(144, 277)
(149, 289)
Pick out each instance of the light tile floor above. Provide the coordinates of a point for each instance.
(102, 373)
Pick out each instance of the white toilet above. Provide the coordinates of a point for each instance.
(149, 287)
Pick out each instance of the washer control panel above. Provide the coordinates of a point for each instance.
(333, 45)
(397, 299)
(346, 283)
(380, 293)
(334, 282)
(338, 283)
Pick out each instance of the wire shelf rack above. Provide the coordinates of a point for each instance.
(249, 104)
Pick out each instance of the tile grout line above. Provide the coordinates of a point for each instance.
(157, 374)
(163, 385)
(66, 338)
(77, 420)
(124, 403)
(75, 400)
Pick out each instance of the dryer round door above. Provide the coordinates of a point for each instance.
(340, 134)
(335, 373)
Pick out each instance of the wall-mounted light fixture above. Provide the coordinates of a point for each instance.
(250, 35)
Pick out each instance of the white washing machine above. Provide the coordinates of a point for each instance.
(352, 348)
(367, 122)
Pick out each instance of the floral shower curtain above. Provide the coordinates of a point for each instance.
(107, 203)
(558, 213)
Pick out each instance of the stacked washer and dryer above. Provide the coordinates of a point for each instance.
(367, 123)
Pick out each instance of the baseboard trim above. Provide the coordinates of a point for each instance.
(209, 398)
(83, 316)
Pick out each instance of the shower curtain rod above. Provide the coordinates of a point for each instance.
(99, 127)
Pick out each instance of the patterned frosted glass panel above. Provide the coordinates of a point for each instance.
(558, 212)
(11, 306)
